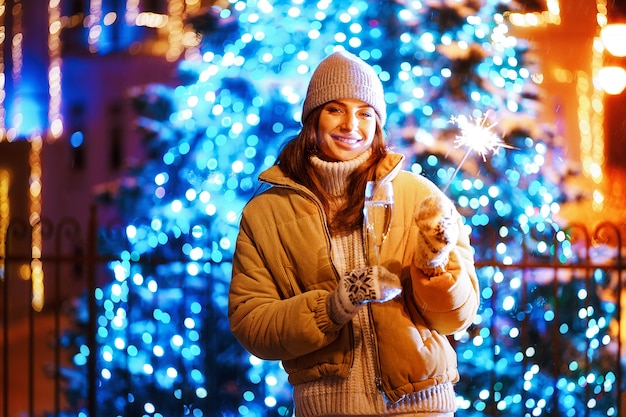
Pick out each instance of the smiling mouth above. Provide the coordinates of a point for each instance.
(348, 141)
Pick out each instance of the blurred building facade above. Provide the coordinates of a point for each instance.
(68, 66)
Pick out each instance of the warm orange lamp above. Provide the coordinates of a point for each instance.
(613, 37)
(612, 80)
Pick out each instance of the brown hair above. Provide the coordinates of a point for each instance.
(295, 161)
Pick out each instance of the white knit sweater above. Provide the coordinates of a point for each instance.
(358, 394)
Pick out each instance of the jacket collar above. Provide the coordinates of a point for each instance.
(386, 170)
(389, 167)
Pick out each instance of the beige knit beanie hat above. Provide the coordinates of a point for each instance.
(344, 75)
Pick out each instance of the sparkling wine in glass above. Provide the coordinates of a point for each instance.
(377, 213)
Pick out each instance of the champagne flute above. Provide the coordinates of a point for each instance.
(377, 213)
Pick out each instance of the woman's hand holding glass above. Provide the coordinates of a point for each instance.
(377, 213)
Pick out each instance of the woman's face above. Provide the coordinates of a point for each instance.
(345, 129)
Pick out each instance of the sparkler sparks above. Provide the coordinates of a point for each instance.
(477, 136)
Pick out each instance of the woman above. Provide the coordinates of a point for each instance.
(355, 340)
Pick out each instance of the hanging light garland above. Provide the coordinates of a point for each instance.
(2, 77)
(37, 301)
(132, 11)
(93, 24)
(5, 183)
(55, 119)
(551, 16)
(17, 60)
(176, 11)
(591, 99)
(591, 113)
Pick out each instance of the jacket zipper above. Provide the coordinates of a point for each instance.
(372, 335)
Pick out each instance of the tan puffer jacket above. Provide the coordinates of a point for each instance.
(283, 271)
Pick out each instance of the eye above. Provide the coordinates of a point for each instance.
(333, 109)
(367, 114)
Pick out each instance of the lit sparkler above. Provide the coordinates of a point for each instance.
(477, 136)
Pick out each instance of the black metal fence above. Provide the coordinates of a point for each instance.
(32, 351)
(34, 355)
(560, 316)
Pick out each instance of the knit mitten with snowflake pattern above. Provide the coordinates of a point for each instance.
(360, 286)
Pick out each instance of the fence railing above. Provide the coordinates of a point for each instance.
(559, 319)
(34, 351)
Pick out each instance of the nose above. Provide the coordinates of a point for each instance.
(349, 122)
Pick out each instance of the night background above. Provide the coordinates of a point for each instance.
(126, 159)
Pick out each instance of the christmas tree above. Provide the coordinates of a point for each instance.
(452, 74)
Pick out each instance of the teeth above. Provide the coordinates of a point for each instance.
(349, 141)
